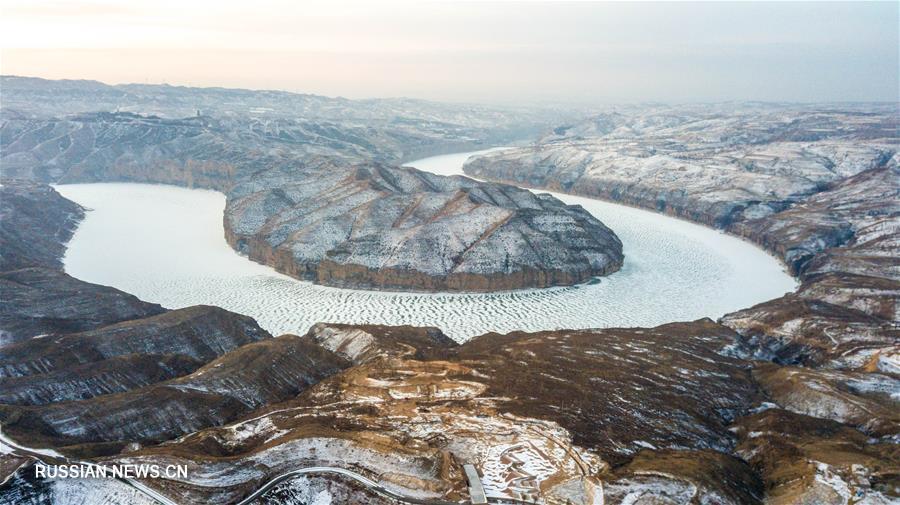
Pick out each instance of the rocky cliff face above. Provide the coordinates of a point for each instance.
(114, 372)
(199, 332)
(361, 345)
(250, 376)
(706, 164)
(43, 301)
(35, 224)
(375, 226)
(88, 380)
(857, 220)
(38, 299)
(819, 325)
(866, 401)
(846, 311)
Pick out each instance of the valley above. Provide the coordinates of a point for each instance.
(694, 369)
(174, 254)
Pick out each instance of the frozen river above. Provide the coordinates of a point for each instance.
(166, 244)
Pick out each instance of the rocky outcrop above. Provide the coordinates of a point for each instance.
(237, 382)
(38, 299)
(713, 165)
(805, 459)
(815, 327)
(846, 311)
(867, 401)
(140, 377)
(363, 343)
(266, 371)
(375, 226)
(42, 301)
(35, 224)
(851, 227)
(88, 380)
(671, 476)
(550, 416)
(199, 332)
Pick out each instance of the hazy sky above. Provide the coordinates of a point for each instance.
(471, 51)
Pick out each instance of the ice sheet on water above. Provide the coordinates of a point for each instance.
(166, 245)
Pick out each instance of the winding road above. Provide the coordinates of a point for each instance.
(42, 455)
(368, 483)
(49, 457)
(358, 478)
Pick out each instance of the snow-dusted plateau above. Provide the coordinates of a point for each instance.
(704, 310)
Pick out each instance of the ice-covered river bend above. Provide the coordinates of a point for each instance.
(166, 244)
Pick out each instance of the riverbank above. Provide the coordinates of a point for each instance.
(166, 245)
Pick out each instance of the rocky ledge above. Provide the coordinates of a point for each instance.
(377, 226)
(42, 301)
(806, 460)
